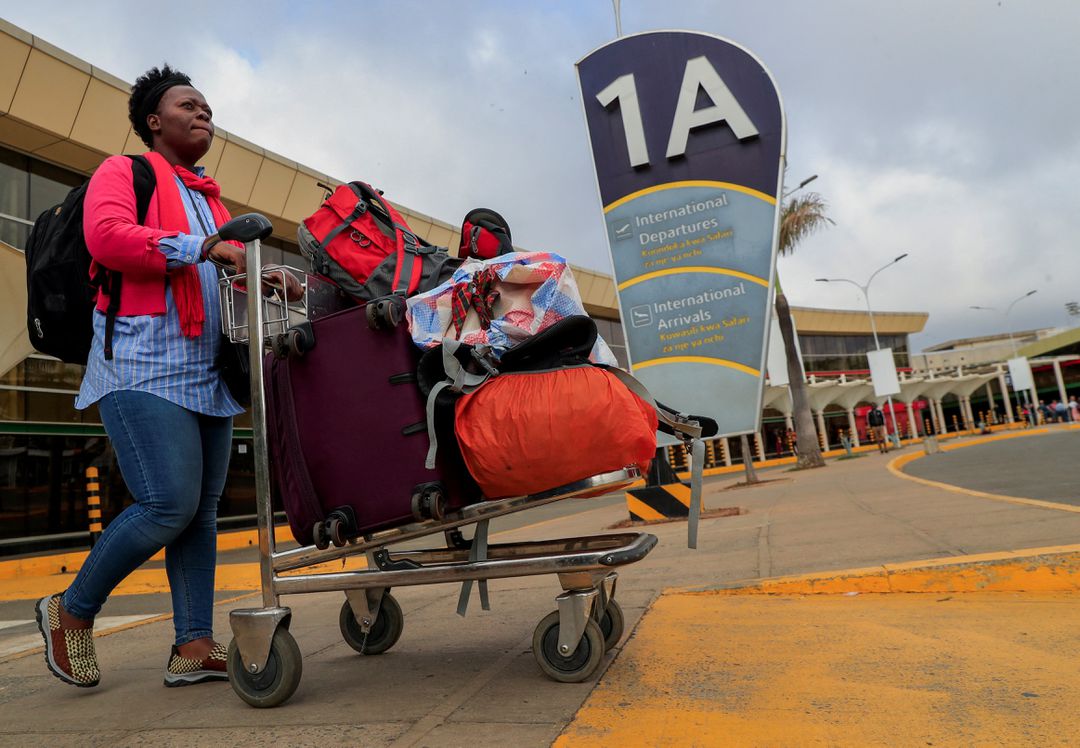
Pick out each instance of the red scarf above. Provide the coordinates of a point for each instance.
(186, 287)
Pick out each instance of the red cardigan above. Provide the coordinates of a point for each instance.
(116, 240)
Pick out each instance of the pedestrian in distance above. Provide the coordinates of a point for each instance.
(1074, 409)
(162, 401)
(875, 419)
(1061, 411)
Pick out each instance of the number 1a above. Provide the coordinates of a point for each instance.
(699, 73)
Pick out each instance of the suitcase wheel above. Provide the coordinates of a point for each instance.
(294, 342)
(280, 346)
(385, 313)
(429, 502)
(335, 528)
(320, 536)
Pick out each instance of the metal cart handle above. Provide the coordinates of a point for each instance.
(244, 229)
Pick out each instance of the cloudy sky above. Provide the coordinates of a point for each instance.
(944, 129)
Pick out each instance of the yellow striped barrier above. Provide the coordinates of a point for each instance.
(93, 504)
(658, 502)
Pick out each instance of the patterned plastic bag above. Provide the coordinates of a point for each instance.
(500, 302)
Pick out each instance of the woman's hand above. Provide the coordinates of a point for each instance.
(292, 290)
(229, 255)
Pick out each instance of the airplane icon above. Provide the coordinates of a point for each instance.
(641, 316)
(623, 231)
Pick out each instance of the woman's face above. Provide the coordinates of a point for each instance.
(182, 123)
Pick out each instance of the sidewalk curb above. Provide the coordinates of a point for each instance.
(1050, 569)
(897, 464)
(69, 563)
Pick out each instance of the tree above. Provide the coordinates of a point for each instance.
(799, 218)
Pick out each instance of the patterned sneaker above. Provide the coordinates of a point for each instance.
(184, 671)
(69, 653)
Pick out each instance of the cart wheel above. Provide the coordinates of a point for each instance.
(612, 624)
(580, 664)
(384, 633)
(277, 681)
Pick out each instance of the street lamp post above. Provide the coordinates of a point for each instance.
(865, 288)
(1012, 340)
(801, 184)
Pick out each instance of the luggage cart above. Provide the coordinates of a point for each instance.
(264, 662)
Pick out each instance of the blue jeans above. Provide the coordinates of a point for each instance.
(174, 462)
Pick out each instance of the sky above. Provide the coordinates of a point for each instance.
(944, 129)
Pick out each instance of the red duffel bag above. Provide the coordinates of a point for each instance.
(526, 432)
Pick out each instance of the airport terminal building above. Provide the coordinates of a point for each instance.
(60, 117)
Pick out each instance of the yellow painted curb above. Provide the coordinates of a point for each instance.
(69, 563)
(897, 464)
(833, 453)
(1048, 569)
(227, 577)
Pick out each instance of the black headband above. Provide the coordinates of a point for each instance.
(153, 98)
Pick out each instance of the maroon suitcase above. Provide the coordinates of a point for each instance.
(348, 438)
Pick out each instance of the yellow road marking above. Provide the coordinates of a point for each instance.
(896, 465)
(1045, 569)
(64, 563)
(153, 581)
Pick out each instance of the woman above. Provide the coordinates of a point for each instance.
(162, 402)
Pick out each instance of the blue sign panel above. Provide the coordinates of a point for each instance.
(687, 135)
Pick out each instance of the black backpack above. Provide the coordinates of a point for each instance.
(60, 294)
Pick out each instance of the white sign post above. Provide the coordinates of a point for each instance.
(883, 372)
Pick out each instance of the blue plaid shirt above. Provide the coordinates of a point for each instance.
(150, 354)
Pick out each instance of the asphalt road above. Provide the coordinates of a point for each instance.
(1046, 468)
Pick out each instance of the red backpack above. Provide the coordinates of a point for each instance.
(359, 241)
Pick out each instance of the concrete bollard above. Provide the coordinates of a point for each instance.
(930, 445)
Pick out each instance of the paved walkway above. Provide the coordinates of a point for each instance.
(473, 681)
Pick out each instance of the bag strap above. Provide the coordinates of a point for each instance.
(460, 380)
(686, 429)
(477, 552)
(409, 267)
(144, 183)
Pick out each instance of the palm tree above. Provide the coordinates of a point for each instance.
(799, 218)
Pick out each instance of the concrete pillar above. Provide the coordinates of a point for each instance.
(1005, 397)
(913, 425)
(759, 446)
(789, 422)
(942, 423)
(852, 427)
(823, 435)
(1063, 396)
(725, 451)
(965, 412)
